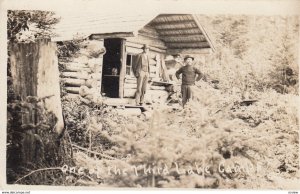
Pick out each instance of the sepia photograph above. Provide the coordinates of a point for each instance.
(129, 98)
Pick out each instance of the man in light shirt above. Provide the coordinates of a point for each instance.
(141, 71)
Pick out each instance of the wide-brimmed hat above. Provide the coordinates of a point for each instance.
(145, 46)
(188, 56)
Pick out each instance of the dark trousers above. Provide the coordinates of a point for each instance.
(142, 81)
(187, 93)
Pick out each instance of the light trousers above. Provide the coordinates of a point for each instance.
(142, 82)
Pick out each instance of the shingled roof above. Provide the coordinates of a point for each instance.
(96, 23)
(176, 30)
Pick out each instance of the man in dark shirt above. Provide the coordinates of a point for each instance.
(189, 73)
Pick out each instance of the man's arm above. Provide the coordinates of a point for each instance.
(178, 73)
(199, 74)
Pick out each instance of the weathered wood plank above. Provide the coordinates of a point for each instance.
(157, 87)
(163, 25)
(181, 35)
(158, 64)
(154, 69)
(112, 35)
(188, 45)
(180, 30)
(184, 38)
(24, 67)
(152, 42)
(164, 72)
(122, 69)
(136, 47)
(189, 51)
(48, 81)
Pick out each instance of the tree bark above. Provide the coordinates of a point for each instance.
(34, 68)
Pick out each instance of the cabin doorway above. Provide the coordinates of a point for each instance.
(111, 67)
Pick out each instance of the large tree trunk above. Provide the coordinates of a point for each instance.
(37, 122)
(34, 68)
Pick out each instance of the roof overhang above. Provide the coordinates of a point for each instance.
(180, 31)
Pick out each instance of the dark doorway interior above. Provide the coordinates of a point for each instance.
(111, 67)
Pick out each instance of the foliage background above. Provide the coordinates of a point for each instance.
(254, 52)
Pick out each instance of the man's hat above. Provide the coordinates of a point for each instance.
(145, 46)
(188, 56)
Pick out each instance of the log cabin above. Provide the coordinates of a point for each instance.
(121, 38)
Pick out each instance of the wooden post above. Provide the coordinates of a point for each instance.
(164, 73)
(122, 69)
(34, 68)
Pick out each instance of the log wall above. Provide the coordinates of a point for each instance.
(84, 70)
(157, 66)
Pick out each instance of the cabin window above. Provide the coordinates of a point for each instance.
(130, 58)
